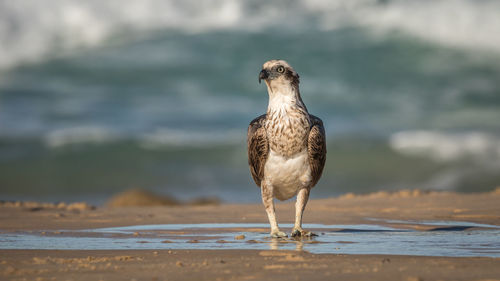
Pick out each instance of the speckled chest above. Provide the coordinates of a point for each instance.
(287, 129)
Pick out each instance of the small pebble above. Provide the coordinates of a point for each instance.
(239, 237)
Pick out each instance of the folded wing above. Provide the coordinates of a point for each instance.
(258, 148)
(316, 148)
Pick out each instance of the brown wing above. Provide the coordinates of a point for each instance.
(258, 148)
(316, 148)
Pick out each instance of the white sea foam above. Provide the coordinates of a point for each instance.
(158, 139)
(31, 30)
(446, 146)
(483, 149)
(168, 137)
(456, 23)
(461, 23)
(78, 135)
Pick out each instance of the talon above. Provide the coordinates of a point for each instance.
(278, 234)
(296, 233)
(310, 234)
(302, 233)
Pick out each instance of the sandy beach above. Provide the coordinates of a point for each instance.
(399, 210)
(128, 150)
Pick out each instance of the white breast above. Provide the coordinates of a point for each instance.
(287, 174)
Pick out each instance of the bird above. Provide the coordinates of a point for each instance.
(286, 146)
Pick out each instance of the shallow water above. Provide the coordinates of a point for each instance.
(444, 238)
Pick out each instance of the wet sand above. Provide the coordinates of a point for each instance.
(237, 265)
(390, 209)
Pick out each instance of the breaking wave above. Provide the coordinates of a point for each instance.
(158, 139)
(31, 31)
(166, 137)
(78, 135)
(446, 147)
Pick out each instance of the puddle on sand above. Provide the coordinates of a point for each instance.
(456, 239)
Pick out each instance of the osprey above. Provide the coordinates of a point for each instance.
(286, 146)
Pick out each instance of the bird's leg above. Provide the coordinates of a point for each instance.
(267, 199)
(300, 205)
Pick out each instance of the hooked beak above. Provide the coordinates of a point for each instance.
(263, 75)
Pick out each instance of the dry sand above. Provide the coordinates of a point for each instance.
(247, 264)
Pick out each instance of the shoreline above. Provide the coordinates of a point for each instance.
(392, 209)
(409, 205)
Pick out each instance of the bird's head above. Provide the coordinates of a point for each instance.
(279, 76)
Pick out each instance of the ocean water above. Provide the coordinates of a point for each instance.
(97, 97)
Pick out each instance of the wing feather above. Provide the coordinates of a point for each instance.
(258, 148)
(316, 148)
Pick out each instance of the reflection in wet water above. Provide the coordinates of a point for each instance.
(444, 239)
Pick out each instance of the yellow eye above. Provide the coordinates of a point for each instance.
(281, 69)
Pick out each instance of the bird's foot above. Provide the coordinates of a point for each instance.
(299, 232)
(278, 234)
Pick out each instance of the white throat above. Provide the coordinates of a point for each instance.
(282, 96)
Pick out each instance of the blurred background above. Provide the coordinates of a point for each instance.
(100, 96)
